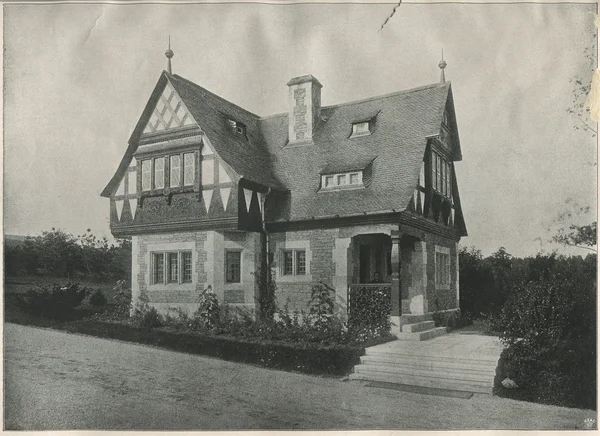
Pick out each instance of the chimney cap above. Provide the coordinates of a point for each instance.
(304, 79)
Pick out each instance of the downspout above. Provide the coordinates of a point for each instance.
(264, 229)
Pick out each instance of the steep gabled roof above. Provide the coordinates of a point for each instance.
(247, 155)
(391, 155)
(401, 124)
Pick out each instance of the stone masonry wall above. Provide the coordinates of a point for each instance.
(441, 299)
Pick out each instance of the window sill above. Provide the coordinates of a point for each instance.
(342, 188)
(442, 287)
(172, 287)
(358, 135)
(293, 279)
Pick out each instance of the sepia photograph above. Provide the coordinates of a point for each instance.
(300, 215)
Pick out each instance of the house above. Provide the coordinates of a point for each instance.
(339, 194)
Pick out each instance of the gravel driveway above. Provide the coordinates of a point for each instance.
(55, 380)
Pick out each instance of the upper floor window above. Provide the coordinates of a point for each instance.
(146, 175)
(445, 120)
(359, 129)
(159, 173)
(175, 171)
(179, 173)
(237, 127)
(441, 174)
(189, 169)
(351, 179)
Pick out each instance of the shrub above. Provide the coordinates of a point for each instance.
(369, 310)
(57, 302)
(150, 319)
(145, 315)
(208, 310)
(97, 298)
(119, 306)
(549, 326)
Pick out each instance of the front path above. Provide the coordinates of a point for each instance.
(55, 380)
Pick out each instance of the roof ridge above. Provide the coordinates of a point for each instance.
(364, 100)
(176, 76)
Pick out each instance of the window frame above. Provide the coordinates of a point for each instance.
(229, 251)
(294, 254)
(441, 174)
(148, 187)
(345, 176)
(154, 160)
(166, 267)
(443, 268)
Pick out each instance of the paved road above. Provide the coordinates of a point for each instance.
(55, 380)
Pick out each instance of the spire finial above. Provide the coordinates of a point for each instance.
(169, 54)
(442, 65)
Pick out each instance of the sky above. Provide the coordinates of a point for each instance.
(77, 77)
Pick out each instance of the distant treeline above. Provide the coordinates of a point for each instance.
(59, 254)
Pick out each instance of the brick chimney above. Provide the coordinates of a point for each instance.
(304, 108)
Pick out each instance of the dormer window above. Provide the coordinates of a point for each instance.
(360, 129)
(341, 181)
(237, 127)
(445, 119)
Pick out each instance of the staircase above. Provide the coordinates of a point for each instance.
(454, 362)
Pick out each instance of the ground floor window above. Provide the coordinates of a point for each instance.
(233, 266)
(442, 269)
(293, 262)
(171, 267)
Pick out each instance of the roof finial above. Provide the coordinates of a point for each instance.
(442, 65)
(169, 54)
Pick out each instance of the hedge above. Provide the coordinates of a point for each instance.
(306, 358)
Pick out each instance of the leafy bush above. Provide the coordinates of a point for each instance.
(57, 302)
(145, 315)
(369, 310)
(549, 326)
(209, 309)
(97, 298)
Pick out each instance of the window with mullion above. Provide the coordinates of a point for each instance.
(293, 262)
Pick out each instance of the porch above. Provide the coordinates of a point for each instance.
(394, 263)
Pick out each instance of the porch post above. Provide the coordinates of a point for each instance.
(396, 299)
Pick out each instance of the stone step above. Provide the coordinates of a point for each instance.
(443, 374)
(432, 364)
(408, 318)
(391, 353)
(485, 388)
(423, 335)
(418, 327)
